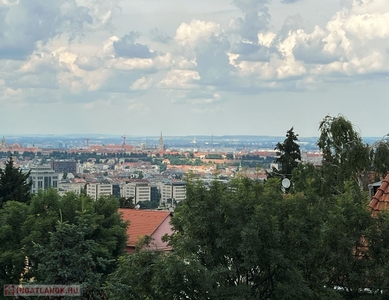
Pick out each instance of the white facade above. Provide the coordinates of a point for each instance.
(169, 191)
(139, 191)
(43, 177)
(95, 190)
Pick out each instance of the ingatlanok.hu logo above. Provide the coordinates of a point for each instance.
(41, 290)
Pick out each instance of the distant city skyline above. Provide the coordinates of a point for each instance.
(227, 67)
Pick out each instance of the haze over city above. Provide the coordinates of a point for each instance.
(241, 67)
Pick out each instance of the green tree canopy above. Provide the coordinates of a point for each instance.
(289, 153)
(61, 240)
(14, 184)
(380, 157)
(345, 157)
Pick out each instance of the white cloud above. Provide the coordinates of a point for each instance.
(197, 32)
(69, 52)
(180, 79)
(142, 83)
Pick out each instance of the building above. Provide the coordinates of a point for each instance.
(61, 166)
(70, 187)
(172, 193)
(139, 190)
(95, 190)
(152, 223)
(155, 195)
(43, 177)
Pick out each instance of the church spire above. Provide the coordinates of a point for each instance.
(161, 144)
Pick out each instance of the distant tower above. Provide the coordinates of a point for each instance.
(161, 144)
(124, 141)
(87, 142)
(3, 143)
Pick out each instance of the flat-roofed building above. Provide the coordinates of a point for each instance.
(95, 190)
(43, 177)
(61, 166)
(172, 192)
(139, 190)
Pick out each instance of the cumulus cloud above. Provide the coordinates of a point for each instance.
(127, 47)
(251, 52)
(180, 79)
(197, 32)
(197, 60)
(142, 83)
(25, 23)
(88, 63)
(256, 18)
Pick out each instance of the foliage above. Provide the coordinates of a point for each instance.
(12, 253)
(345, 157)
(248, 240)
(289, 153)
(66, 239)
(71, 258)
(126, 202)
(148, 204)
(380, 157)
(14, 184)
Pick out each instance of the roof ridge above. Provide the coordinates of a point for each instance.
(373, 204)
(161, 223)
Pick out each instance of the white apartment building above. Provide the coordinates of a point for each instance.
(172, 191)
(43, 177)
(140, 191)
(95, 190)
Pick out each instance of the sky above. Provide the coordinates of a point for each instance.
(183, 67)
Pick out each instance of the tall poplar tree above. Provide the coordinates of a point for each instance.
(345, 156)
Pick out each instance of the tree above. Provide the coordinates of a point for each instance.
(56, 229)
(380, 157)
(12, 252)
(126, 202)
(71, 257)
(14, 184)
(289, 153)
(247, 238)
(345, 157)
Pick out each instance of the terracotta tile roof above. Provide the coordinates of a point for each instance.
(380, 200)
(142, 222)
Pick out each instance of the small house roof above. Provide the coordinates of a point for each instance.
(380, 200)
(142, 223)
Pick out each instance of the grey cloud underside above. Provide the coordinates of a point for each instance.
(251, 52)
(31, 21)
(126, 47)
(314, 54)
(88, 63)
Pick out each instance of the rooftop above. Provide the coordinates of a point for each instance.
(142, 223)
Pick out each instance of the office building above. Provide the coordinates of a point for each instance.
(61, 166)
(43, 177)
